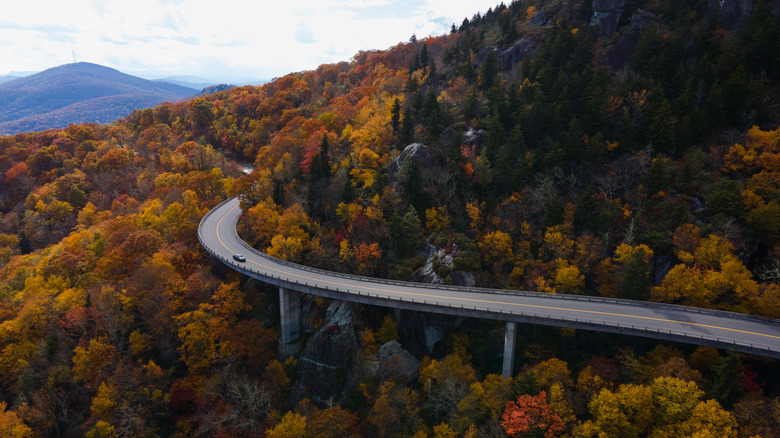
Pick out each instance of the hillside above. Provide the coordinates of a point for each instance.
(8, 78)
(610, 148)
(78, 93)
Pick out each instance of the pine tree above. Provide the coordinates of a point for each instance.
(324, 159)
(395, 114)
(727, 385)
(407, 129)
(488, 73)
(432, 116)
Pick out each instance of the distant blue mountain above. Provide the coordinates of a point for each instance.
(8, 78)
(78, 93)
(195, 82)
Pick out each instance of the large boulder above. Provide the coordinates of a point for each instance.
(395, 361)
(327, 360)
(416, 151)
(606, 14)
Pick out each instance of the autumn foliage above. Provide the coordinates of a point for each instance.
(574, 168)
(531, 416)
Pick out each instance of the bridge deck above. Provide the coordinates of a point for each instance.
(749, 334)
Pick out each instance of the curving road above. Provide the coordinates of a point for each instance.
(745, 333)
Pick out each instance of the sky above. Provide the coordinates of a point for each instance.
(225, 40)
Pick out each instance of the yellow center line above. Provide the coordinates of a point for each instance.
(535, 306)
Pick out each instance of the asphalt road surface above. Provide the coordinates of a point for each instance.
(745, 333)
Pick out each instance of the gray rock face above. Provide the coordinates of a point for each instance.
(624, 48)
(395, 361)
(510, 57)
(327, 360)
(474, 138)
(421, 332)
(641, 19)
(661, 265)
(513, 55)
(539, 19)
(606, 13)
(734, 13)
(427, 273)
(339, 314)
(418, 151)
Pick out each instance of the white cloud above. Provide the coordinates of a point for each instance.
(215, 39)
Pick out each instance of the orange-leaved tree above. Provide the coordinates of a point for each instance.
(531, 415)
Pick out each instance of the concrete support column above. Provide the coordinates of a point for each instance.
(290, 310)
(509, 349)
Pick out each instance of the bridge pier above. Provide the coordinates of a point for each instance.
(290, 310)
(509, 349)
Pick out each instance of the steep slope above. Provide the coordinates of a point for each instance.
(78, 93)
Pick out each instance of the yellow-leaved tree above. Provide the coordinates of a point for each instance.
(667, 407)
(710, 277)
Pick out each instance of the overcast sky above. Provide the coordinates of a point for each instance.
(220, 40)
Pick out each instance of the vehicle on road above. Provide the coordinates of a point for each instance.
(239, 258)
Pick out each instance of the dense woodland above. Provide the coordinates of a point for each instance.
(546, 154)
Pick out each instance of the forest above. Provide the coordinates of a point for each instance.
(527, 149)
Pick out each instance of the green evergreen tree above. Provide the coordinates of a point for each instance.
(432, 116)
(470, 104)
(410, 179)
(320, 163)
(407, 129)
(395, 115)
(727, 386)
(464, 26)
(411, 85)
(635, 281)
(405, 231)
(496, 136)
(488, 73)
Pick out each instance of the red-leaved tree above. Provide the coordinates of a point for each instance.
(531, 416)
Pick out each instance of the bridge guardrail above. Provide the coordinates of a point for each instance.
(586, 298)
(585, 321)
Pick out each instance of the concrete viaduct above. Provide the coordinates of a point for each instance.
(719, 329)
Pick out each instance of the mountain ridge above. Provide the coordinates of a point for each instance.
(76, 93)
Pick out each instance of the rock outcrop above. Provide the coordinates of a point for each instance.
(539, 19)
(606, 14)
(640, 19)
(442, 258)
(417, 151)
(327, 360)
(475, 138)
(395, 361)
(420, 332)
(733, 13)
(510, 57)
(622, 50)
